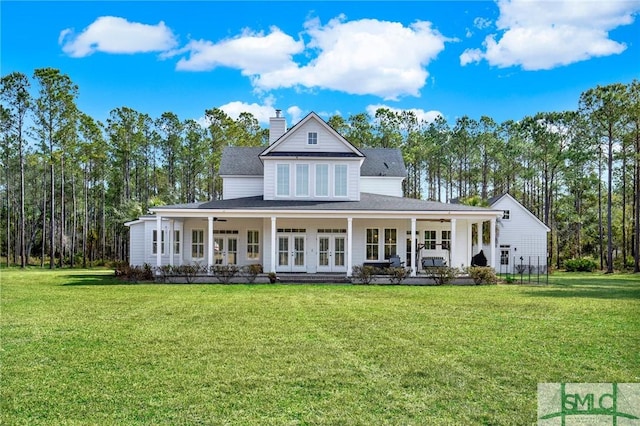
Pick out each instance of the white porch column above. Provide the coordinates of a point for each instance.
(413, 247)
(170, 240)
(273, 244)
(349, 246)
(452, 246)
(492, 242)
(479, 236)
(158, 240)
(469, 242)
(210, 244)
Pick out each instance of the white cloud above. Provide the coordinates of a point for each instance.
(363, 57)
(111, 34)
(539, 35)
(295, 114)
(421, 115)
(253, 53)
(262, 113)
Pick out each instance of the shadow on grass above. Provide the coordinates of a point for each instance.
(591, 292)
(97, 279)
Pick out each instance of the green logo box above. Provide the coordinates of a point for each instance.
(568, 404)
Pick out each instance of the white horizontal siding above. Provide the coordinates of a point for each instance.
(297, 140)
(526, 236)
(137, 244)
(381, 185)
(240, 187)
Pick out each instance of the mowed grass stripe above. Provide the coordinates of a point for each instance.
(79, 347)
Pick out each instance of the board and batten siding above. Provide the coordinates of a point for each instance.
(240, 187)
(381, 185)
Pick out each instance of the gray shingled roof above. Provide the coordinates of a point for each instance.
(245, 161)
(373, 202)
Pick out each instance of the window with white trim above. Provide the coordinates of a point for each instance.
(446, 239)
(197, 243)
(322, 180)
(312, 138)
(282, 180)
(253, 245)
(302, 180)
(176, 241)
(340, 180)
(372, 249)
(390, 242)
(430, 240)
(506, 214)
(154, 244)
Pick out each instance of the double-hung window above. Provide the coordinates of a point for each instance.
(372, 244)
(322, 180)
(197, 243)
(390, 242)
(430, 240)
(154, 244)
(282, 180)
(446, 240)
(253, 245)
(340, 180)
(176, 241)
(302, 180)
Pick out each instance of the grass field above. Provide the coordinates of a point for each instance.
(81, 348)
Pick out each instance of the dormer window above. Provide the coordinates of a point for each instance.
(312, 138)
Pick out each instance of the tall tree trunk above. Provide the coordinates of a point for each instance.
(23, 256)
(8, 213)
(600, 230)
(86, 219)
(609, 203)
(74, 227)
(52, 220)
(62, 213)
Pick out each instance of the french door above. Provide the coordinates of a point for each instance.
(291, 253)
(225, 251)
(331, 253)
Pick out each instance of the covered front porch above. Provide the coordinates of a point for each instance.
(310, 242)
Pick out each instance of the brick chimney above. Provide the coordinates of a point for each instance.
(277, 127)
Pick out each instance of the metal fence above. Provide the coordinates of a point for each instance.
(525, 269)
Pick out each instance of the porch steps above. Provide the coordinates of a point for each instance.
(326, 278)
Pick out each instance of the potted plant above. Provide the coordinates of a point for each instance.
(272, 277)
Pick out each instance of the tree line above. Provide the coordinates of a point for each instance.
(69, 181)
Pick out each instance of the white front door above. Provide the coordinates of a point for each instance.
(291, 253)
(331, 253)
(225, 251)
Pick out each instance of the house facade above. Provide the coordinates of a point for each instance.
(522, 238)
(310, 202)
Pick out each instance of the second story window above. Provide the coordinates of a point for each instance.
(282, 180)
(322, 180)
(302, 180)
(340, 180)
(312, 138)
(506, 214)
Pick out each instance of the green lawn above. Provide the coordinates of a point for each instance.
(81, 348)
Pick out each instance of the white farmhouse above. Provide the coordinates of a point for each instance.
(310, 202)
(522, 237)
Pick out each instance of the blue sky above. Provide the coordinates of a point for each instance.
(504, 59)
